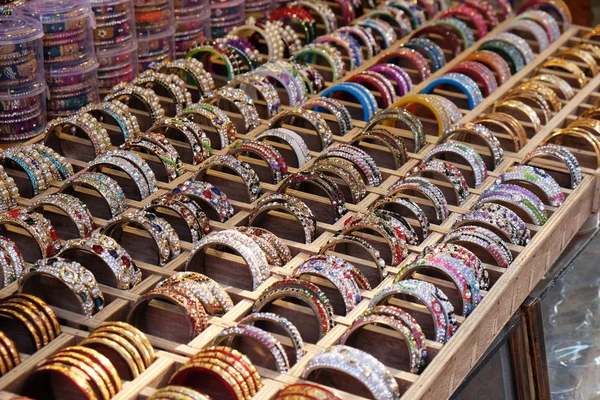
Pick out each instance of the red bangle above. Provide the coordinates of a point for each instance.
(451, 41)
(428, 7)
(292, 12)
(494, 62)
(347, 11)
(377, 82)
(479, 73)
(486, 10)
(414, 57)
(470, 14)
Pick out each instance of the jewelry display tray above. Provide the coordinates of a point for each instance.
(447, 364)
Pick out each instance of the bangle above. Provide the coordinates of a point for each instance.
(459, 28)
(73, 207)
(328, 52)
(332, 106)
(262, 337)
(292, 139)
(322, 10)
(171, 85)
(355, 240)
(165, 237)
(108, 188)
(9, 356)
(139, 98)
(384, 31)
(344, 170)
(534, 29)
(416, 59)
(450, 173)
(478, 72)
(363, 161)
(209, 195)
(469, 13)
(425, 188)
(253, 84)
(364, 37)
(520, 44)
(540, 89)
(290, 204)
(499, 219)
(508, 124)
(348, 44)
(187, 209)
(448, 35)
(276, 251)
(494, 62)
(61, 169)
(519, 106)
(486, 9)
(115, 162)
(79, 280)
(582, 56)
(561, 154)
(306, 390)
(286, 33)
(296, 94)
(213, 297)
(12, 261)
(508, 52)
(460, 81)
(378, 82)
(468, 128)
(292, 14)
(436, 301)
(269, 33)
(359, 365)
(192, 71)
(305, 292)
(125, 274)
(555, 83)
(216, 118)
(407, 204)
(78, 381)
(38, 227)
(394, 238)
(524, 200)
(317, 122)
(269, 154)
(139, 163)
(120, 114)
(33, 170)
(181, 297)
(397, 74)
(472, 263)
(173, 392)
(481, 238)
(385, 117)
(393, 16)
(559, 135)
(558, 7)
(467, 153)
(241, 100)
(242, 169)
(82, 123)
(536, 177)
(430, 49)
(544, 19)
(393, 141)
(9, 192)
(240, 243)
(431, 103)
(359, 92)
(168, 156)
(190, 132)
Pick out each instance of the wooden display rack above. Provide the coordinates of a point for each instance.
(447, 364)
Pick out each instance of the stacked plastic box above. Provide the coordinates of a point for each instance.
(225, 15)
(69, 59)
(259, 8)
(115, 42)
(155, 26)
(192, 19)
(22, 86)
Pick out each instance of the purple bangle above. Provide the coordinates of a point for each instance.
(535, 29)
(396, 73)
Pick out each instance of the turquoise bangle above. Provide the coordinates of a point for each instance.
(466, 34)
(29, 173)
(365, 98)
(507, 51)
(463, 82)
(433, 51)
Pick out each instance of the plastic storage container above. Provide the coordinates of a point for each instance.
(21, 60)
(71, 88)
(117, 64)
(67, 24)
(192, 31)
(259, 8)
(156, 48)
(23, 112)
(153, 16)
(115, 23)
(225, 15)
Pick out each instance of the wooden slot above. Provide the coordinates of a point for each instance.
(298, 314)
(225, 268)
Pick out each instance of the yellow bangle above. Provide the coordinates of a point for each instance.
(549, 94)
(98, 343)
(124, 343)
(42, 308)
(133, 335)
(93, 375)
(519, 106)
(557, 138)
(9, 313)
(567, 66)
(102, 361)
(177, 393)
(590, 123)
(429, 102)
(580, 55)
(214, 369)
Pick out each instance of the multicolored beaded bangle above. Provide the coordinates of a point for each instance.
(469, 128)
(425, 188)
(467, 153)
(561, 154)
(508, 51)
(448, 35)
(169, 84)
(385, 117)
(82, 123)
(479, 73)
(533, 28)
(355, 240)
(499, 219)
(396, 74)
(129, 94)
(216, 118)
(494, 62)
(269, 154)
(328, 52)
(38, 227)
(191, 71)
(108, 188)
(119, 113)
(11, 260)
(350, 46)
(364, 37)
(431, 49)
(363, 161)
(168, 156)
(393, 142)
(241, 100)
(469, 258)
(460, 81)
(207, 194)
(292, 139)
(470, 14)
(334, 107)
(523, 199)
(242, 169)
(70, 205)
(415, 210)
(383, 30)
(344, 170)
(449, 172)
(416, 59)
(471, 235)
(313, 118)
(253, 85)
(536, 177)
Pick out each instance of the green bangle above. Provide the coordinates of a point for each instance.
(507, 51)
(326, 51)
(202, 51)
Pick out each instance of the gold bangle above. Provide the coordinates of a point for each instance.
(559, 83)
(173, 392)
(15, 315)
(531, 98)
(124, 343)
(42, 307)
(45, 325)
(101, 360)
(549, 94)
(567, 66)
(580, 55)
(236, 373)
(557, 138)
(13, 354)
(87, 369)
(582, 122)
(97, 343)
(74, 374)
(507, 123)
(517, 105)
(215, 370)
(34, 319)
(135, 337)
(98, 368)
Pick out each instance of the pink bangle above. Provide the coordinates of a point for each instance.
(479, 73)
(469, 13)
(396, 73)
(486, 10)
(505, 7)
(413, 56)
(378, 82)
(494, 62)
(347, 10)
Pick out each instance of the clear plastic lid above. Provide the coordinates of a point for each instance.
(56, 11)
(75, 68)
(18, 93)
(19, 29)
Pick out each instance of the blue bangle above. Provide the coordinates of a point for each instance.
(357, 55)
(364, 97)
(387, 33)
(463, 82)
(432, 50)
(29, 173)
